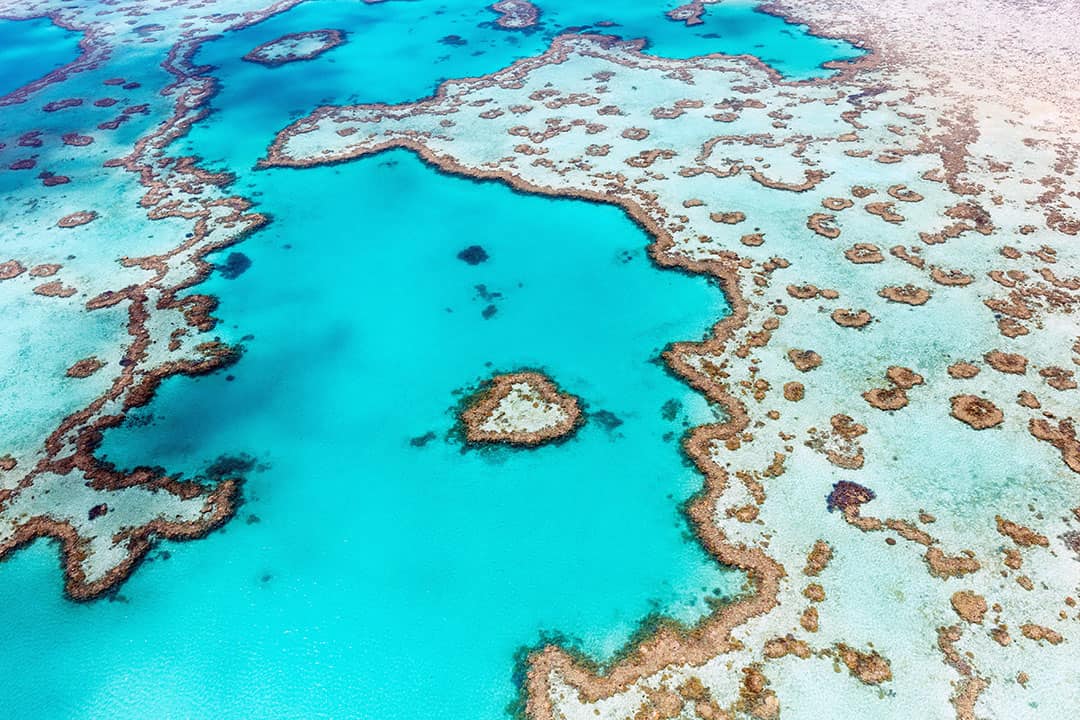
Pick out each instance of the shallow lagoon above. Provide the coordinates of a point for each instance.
(418, 571)
(368, 575)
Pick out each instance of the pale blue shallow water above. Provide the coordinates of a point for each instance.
(30, 49)
(365, 576)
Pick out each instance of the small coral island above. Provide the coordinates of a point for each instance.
(521, 408)
(516, 14)
(295, 46)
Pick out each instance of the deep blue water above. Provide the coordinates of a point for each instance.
(31, 49)
(367, 575)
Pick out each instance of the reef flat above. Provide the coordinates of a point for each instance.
(895, 473)
(901, 321)
(129, 315)
(522, 408)
(294, 47)
(516, 14)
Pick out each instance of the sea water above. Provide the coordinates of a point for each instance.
(31, 49)
(399, 51)
(379, 568)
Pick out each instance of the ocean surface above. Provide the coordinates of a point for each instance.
(379, 568)
(31, 49)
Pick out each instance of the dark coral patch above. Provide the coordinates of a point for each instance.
(422, 440)
(473, 255)
(234, 266)
(606, 419)
(846, 494)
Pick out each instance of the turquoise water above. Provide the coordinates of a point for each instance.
(30, 49)
(389, 577)
(397, 52)
(398, 572)
(369, 573)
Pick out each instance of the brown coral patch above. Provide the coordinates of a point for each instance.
(963, 370)
(44, 270)
(271, 53)
(814, 592)
(851, 460)
(823, 225)
(76, 219)
(11, 269)
(946, 566)
(728, 218)
(1040, 633)
(911, 257)
(973, 213)
(809, 619)
(977, 412)
(851, 318)
(54, 289)
(950, 277)
(870, 668)
(57, 105)
(813, 177)
(76, 140)
(884, 210)
(862, 253)
(646, 158)
(50, 179)
(787, 645)
(485, 402)
(85, 368)
(755, 697)
(660, 704)
(903, 378)
(1010, 363)
(1063, 437)
(1001, 636)
(836, 204)
(693, 689)
(906, 294)
(845, 427)
(802, 292)
(902, 193)
(746, 513)
(886, 398)
(804, 360)
(1058, 378)
(969, 606)
(1026, 399)
(818, 558)
(794, 391)
(1019, 534)
(515, 14)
